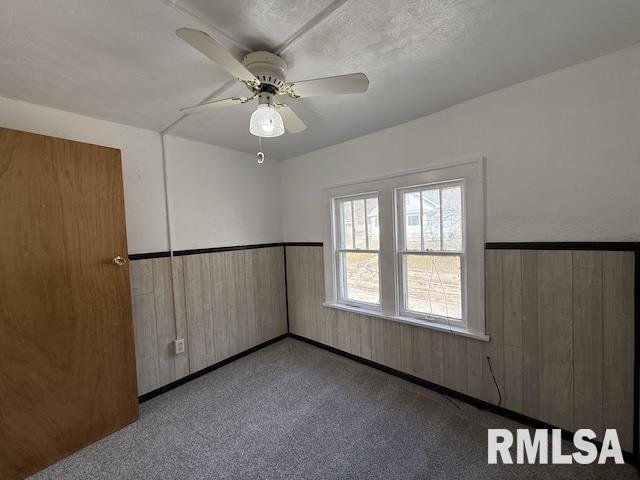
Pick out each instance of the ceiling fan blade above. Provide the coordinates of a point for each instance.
(291, 121)
(216, 52)
(214, 105)
(351, 83)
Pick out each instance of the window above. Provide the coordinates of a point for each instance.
(413, 219)
(410, 248)
(357, 252)
(431, 253)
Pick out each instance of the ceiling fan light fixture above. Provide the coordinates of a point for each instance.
(266, 122)
(265, 75)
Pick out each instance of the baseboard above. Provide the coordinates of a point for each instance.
(192, 376)
(476, 402)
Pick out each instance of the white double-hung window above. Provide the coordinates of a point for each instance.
(431, 252)
(410, 247)
(358, 250)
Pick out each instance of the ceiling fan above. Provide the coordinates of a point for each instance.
(264, 74)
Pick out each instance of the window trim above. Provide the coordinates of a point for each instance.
(441, 327)
(471, 171)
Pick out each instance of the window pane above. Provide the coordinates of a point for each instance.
(346, 232)
(411, 226)
(360, 277)
(372, 223)
(452, 218)
(359, 217)
(431, 219)
(433, 285)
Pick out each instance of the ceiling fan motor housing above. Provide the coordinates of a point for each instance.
(270, 69)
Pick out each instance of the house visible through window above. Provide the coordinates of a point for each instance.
(413, 219)
(410, 248)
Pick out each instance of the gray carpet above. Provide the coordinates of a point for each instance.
(295, 411)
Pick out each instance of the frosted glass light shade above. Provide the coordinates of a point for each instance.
(266, 122)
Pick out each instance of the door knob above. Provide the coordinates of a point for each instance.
(119, 261)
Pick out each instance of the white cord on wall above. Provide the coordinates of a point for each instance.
(165, 178)
(167, 209)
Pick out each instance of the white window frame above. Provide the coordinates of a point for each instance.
(339, 278)
(401, 252)
(470, 173)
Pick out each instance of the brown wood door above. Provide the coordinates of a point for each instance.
(67, 363)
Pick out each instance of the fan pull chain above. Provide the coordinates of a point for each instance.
(260, 154)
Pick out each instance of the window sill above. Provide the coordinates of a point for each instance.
(409, 321)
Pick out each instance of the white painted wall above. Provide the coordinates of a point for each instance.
(221, 197)
(218, 197)
(141, 163)
(563, 156)
(563, 164)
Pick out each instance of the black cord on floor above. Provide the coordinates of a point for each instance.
(495, 381)
(454, 403)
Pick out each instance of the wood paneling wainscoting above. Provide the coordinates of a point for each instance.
(226, 302)
(155, 329)
(562, 332)
(561, 324)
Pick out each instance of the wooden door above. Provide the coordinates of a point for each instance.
(67, 363)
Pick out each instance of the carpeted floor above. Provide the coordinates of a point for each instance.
(295, 411)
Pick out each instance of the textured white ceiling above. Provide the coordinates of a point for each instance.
(120, 60)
